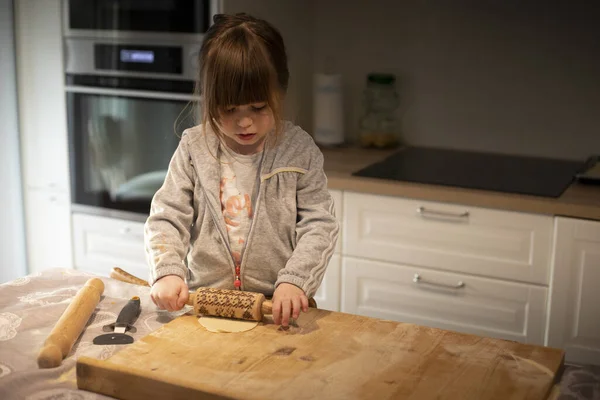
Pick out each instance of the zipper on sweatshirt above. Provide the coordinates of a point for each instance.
(223, 237)
(249, 237)
(255, 208)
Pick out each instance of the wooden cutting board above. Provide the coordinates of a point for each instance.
(328, 355)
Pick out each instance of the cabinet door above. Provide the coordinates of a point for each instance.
(574, 323)
(48, 230)
(494, 243)
(464, 303)
(42, 103)
(101, 243)
(328, 295)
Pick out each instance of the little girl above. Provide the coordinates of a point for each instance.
(245, 203)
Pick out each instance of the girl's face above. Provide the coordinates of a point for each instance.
(246, 126)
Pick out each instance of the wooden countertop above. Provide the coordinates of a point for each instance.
(578, 201)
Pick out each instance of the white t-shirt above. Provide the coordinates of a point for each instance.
(239, 174)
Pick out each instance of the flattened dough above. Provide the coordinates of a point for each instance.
(225, 325)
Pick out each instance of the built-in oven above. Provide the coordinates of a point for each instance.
(145, 19)
(128, 100)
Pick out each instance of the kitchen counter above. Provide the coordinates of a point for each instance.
(344, 355)
(578, 201)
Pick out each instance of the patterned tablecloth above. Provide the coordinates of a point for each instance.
(30, 307)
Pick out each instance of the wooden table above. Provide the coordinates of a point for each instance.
(327, 355)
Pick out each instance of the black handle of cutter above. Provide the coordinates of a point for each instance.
(129, 313)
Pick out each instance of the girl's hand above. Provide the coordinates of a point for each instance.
(170, 293)
(287, 301)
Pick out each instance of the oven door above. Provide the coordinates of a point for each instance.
(146, 19)
(121, 143)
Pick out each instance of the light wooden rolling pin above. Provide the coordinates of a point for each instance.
(70, 325)
(216, 302)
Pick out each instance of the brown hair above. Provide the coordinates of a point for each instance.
(242, 61)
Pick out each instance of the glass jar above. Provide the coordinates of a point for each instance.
(379, 127)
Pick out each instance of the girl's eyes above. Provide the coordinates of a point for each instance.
(254, 108)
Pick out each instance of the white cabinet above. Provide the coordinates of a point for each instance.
(501, 244)
(101, 243)
(43, 133)
(574, 323)
(42, 101)
(459, 302)
(328, 295)
(467, 269)
(48, 230)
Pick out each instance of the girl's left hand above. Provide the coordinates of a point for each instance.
(288, 300)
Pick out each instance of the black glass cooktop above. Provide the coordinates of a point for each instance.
(487, 171)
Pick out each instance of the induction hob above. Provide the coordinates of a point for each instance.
(476, 170)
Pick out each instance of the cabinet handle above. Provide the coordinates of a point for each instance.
(425, 212)
(417, 279)
(125, 230)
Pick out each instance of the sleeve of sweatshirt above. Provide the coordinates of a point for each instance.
(167, 229)
(317, 230)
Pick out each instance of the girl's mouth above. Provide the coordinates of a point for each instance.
(246, 136)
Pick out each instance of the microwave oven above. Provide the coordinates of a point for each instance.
(155, 20)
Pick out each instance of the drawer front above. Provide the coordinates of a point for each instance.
(328, 295)
(338, 201)
(102, 243)
(480, 306)
(473, 240)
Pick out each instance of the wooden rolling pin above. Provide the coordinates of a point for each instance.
(70, 325)
(216, 302)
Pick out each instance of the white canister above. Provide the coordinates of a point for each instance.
(328, 110)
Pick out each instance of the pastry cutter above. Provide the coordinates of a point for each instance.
(124, 323)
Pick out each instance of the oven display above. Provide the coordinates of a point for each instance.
(134, 58)
(137, 56)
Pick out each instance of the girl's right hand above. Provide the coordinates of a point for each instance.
(170, 293)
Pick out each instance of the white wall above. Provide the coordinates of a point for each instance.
(489, 75)
(12, 232)
(519, 77)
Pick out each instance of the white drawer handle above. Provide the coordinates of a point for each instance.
(425, 212)
(418, 279)
(125, 230)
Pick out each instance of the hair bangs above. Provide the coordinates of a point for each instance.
(242, 73)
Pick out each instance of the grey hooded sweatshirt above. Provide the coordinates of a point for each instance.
(294, 229)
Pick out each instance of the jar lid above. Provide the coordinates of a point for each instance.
(385, 79)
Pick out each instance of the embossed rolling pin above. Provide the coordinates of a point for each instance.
(70, 325)
(216, 302)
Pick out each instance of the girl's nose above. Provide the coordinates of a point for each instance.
(244, 122)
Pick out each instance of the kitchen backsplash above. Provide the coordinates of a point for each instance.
(510, 77)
